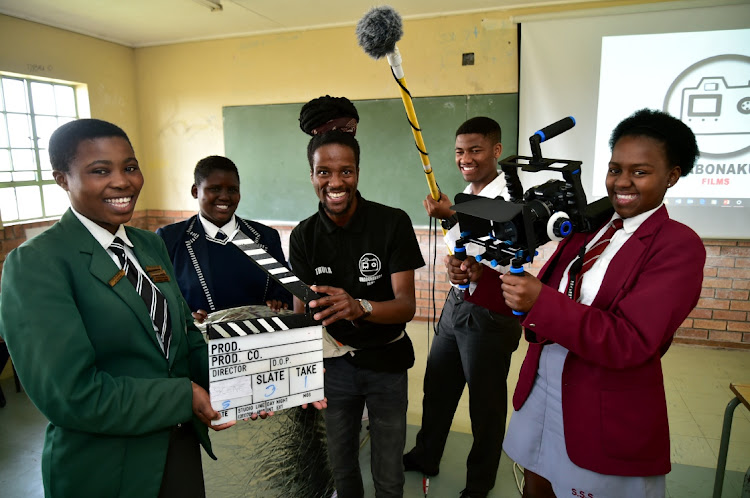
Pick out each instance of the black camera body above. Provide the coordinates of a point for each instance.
(511, 231)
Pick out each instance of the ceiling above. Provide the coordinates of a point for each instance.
(140, 23)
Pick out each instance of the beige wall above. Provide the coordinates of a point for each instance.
(182, 88)
(169, 99)
(106, 68)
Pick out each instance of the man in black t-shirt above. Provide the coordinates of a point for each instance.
(361, 255)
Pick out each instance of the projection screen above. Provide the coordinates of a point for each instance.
(693, 62)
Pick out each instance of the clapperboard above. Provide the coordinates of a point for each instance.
(276, 270)
(262, 360)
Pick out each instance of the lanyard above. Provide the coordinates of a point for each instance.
(575, 268)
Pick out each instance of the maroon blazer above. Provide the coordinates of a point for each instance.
(614, 407)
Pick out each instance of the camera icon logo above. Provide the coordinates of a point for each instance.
(369, 265)
(712, 97)
(715, 108)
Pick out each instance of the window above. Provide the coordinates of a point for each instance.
(30, 110)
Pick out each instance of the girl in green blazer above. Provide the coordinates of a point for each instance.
(127, 406)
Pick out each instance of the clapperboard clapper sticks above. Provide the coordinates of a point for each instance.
(276, 270)
(262, 360)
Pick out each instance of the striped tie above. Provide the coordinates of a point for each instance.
(592, 255)
(152, 297)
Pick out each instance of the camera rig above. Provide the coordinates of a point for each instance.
(511, 231)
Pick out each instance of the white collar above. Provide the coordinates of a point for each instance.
(493, 189)
(211, 230)
(100, 234)
(630, 225)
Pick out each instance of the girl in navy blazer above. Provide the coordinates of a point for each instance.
(590, 415)
(212, 274)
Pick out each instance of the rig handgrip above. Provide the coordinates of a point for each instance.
(516, 268)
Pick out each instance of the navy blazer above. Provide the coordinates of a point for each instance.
(188, 249)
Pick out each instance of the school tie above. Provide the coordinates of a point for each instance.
(592, 255)
(221, 235)
(154, 299)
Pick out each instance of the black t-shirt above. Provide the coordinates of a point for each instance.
(360, 258)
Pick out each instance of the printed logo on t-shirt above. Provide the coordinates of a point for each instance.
(323, 269)
(370, 268)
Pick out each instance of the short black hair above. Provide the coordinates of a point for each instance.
(63, 143)
(209, 164)
(332, 137)
(485, 126)
(677, 137)
(323, 109)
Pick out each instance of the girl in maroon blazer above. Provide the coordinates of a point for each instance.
(590, 415)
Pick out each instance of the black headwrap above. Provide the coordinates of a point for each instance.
(328, 113)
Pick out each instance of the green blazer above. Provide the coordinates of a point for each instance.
(86, 354)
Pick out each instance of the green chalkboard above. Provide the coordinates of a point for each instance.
(271, 152)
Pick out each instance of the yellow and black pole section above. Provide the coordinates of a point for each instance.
(394, 59)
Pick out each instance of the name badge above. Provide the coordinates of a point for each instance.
(118, 276)
(157, 274)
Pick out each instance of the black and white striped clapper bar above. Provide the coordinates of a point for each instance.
(276, 270)
(242, 328)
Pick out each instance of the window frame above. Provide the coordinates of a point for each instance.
(31, 115)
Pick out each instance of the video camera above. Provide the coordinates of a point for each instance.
(511, 231)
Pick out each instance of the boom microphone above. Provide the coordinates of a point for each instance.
(379, 30)
(556, 128)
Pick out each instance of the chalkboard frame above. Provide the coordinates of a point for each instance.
(269, 148)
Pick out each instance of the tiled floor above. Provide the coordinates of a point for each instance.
(697, 383)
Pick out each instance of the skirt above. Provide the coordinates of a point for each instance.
(536, 441)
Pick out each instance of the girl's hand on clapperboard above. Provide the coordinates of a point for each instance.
(200, 315)
(204, 411)
(263, 415)
(276, 305)
(320, 405)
